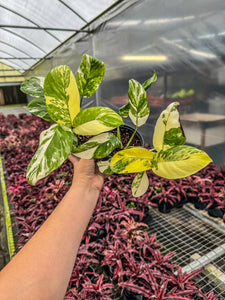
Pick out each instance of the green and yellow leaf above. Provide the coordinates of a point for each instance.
(38, 108)
(138, 105)
(54, 147)
(32, 87)
(140, 184)
(131, 160)
(95, 120)
(62, 96)
(180, 161)
(99, 146)
(104, 166)
(89, 75)
(168, 131)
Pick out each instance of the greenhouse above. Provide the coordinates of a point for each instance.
(112, 149)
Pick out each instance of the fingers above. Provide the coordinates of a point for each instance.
(85, 166)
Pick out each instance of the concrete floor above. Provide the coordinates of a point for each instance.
(15, 110)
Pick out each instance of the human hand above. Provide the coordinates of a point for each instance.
(86, 174)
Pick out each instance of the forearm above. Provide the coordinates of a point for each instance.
(41, 270)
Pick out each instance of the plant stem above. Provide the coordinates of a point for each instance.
(130, 140)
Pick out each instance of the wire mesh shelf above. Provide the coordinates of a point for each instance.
(197, 243)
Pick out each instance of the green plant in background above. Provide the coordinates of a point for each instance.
(183, 93)
(59, 102)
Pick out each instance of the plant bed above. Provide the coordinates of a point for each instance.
(126, 247)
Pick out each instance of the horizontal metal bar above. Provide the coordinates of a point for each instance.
(43, 28)
(205, 259)
(10, 70)
(22, 58)
(6, 76)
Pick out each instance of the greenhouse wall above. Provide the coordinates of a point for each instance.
(183, 41)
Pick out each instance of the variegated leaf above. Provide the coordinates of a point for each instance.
(104, 166)
(180, 161)
(139, 108)
(54, 148)
(150, 81)
(75, 143)
(32, 87)
(62, 96)
(99, 146)
(38, 108)
(89, 75)
(95, 120)
(131, 160)
(124, 110)
(140, 184)
(168, 131)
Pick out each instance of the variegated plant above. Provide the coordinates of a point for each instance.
(169, 158)
(59, 102)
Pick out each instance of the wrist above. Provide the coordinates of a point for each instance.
(85, 193)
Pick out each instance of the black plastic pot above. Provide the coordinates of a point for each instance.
(100, 256)
(192, 199)
(130, 130)
(137, 134)
(165, 207)
(200, 205)
(101, 233)
(130, 295)
(147, 218)
(216, 212)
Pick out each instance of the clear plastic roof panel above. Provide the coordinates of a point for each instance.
(29, 30)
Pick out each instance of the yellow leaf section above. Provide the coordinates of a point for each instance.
(182, 164)
(140, 184)
(169, 118)
(93, 127)
(74, 98)
(131, 160)
(62, 95)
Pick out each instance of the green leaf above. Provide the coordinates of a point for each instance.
(124, 110)
(89, 75)
(150, 81)
(38, 108)
(104, 167)
(132, 160)
(32, 87)
(139, 108)
(180, 161)
(95, 120)
(140, 184)
(98, 147)
(62, 96)
(75, 143)
(168, 131)
(54, 148)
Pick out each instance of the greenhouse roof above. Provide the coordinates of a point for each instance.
(30, 30)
